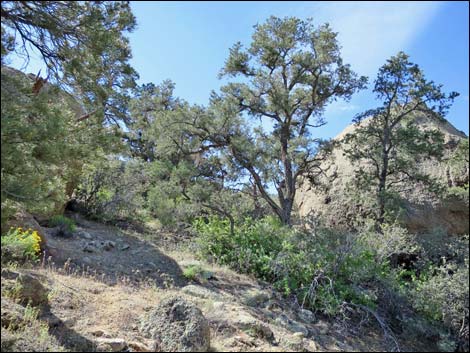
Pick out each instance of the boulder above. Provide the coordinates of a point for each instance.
(291, 325)
(306, 315)
(90, 247)
(107, 245)
(84, 235)
(60, 231)
(27, 289)
(12, 314)
(178, 326)
(255, 297)
(110, 344)
(253, 326)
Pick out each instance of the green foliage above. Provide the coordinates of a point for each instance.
(113, 189)
(20, 245)
(290, 73)
(92, 63)
(328, 271)
(192, 272)
(387, 141)
(64, 222)
(250, 249)
(459, 165)
(52, 126)
(296, 263)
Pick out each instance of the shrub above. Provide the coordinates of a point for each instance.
(250, 249)
(113, 189)
(321, 270)
(325, 270)
(192, 272)
(20, 245)
(61, 221)
(442, 296)
(329, 271)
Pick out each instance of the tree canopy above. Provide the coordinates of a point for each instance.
(388, 138)
(82, 45)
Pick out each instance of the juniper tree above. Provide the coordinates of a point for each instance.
(52, 125)
(289, 74)
(82, 45)
(387, 144)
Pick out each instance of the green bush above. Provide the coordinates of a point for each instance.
(297, 263)
(64, 222)
(328, 271)
(441, 296)
(20, 245)
(250, 249)
(192, 272)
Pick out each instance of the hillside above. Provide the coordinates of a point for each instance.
(134, 219)
(100, 283)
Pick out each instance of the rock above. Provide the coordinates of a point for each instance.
(27, 288)
(178, 325)
(140, 347)
(84, 235)
(306, 315)
(61, 231)
(298, 343)
(253, 326)
(322, 328)
(98, 333)
(424, 211)
(243, 340)
(110, 344)
(291, 325)
(310, 346)
(255, 297)
(273, 305)
(108, 245)
(298, 335)
(90, 247)
(86, 260)
(125, 247)
(12, 314)
(207, 275)
(201, 292)
(8, 274)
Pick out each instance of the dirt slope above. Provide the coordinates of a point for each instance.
(103, 294)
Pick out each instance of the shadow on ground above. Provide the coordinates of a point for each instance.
(110, 256)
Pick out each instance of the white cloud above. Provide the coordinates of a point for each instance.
(371, 32)
(342, 106)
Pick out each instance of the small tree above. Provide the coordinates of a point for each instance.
(290, 73)
(389, 143)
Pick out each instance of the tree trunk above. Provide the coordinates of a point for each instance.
(287, 212)
(286, 196)
(381, 189)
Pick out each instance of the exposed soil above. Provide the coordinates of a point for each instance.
(105, 293)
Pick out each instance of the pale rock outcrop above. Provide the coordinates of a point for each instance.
(424, 212)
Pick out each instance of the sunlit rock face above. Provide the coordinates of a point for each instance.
(422, 211)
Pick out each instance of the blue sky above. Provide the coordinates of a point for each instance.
(188, 43)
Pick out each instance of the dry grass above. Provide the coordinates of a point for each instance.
(87, 305)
